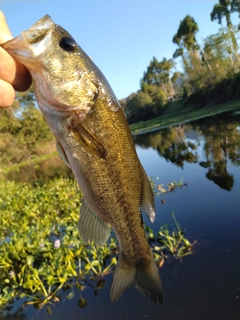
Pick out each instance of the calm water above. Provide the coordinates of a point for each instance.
(206, 285)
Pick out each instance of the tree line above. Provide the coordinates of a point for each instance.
(204, 67)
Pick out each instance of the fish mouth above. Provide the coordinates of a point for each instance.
(38, 30)
(30, 43)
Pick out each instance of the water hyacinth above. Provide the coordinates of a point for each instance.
(41, 254)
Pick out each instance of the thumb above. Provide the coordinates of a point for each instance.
(5, 33)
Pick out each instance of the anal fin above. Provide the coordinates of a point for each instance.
(91, 227)
(147, 203)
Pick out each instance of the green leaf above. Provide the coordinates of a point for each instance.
(95, 263)
(30, 260)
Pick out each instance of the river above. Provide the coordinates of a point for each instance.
(206, 284)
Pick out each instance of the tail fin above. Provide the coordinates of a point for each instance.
(146, 280)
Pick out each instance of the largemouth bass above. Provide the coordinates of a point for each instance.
(95, 141)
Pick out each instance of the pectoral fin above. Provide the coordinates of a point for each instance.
(87, 139)
(147, 197)
(62, 153)
(91, 227)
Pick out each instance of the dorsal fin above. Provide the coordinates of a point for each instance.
(91, 227)
(147, 202)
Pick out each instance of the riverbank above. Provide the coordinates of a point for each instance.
(177, 113)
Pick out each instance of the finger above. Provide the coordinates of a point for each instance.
(7, 94)
(13, 72)
(10, 70)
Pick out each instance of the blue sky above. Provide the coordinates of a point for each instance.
(121, 36)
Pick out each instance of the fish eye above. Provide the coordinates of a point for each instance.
(68, 44)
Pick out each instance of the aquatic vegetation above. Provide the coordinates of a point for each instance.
(42, 259)
(159, 189)
(167, 243)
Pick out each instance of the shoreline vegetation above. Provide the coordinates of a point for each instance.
(26, 142)
(42, 258)
(175, 115)
(198, 76)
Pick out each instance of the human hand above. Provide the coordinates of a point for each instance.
(13, 75)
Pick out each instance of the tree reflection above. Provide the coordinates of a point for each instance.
(171, 144)
(221, 138)
(220, 176)
(19, 314)
(222, 144)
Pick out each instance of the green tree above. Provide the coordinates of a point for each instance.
(218, 13)
(180, 53)
(186, 38)
(235, 7)
(222, 10)
(33, 127)
(216, 52)
(158, 74)
(158, 96)
(25, 141)
(139, 107)
(176, 76)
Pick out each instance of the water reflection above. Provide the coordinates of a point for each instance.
(220, 136)
(211, 146)
(171, 144)
(19, 314)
